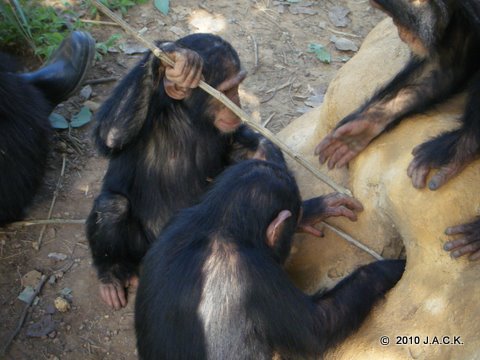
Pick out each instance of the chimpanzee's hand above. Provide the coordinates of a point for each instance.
(320, 208)
(187, 71)
(468, 243)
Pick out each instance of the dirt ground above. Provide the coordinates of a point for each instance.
(285, 80)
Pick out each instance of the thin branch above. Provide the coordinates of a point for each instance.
(269, 119)
(98, 22)
(47, 222)
(255, 49)
(37, 245)
(353, 241)
(342, 33)
(100, 80)
(39, 288)
(227, 102)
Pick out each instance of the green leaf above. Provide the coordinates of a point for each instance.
(322, 54)
(162, 5)
(83, 117)
(58, 121)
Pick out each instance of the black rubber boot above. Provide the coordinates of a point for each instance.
(65, 71)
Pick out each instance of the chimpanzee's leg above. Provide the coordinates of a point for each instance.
(118, 243)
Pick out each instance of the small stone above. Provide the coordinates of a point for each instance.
(57, 256)
(61, 304)
(32, 278)
(86, 92)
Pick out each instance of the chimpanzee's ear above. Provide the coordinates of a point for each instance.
(274, 230)
(174, 91)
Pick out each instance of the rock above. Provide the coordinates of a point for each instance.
(61, 304)
(44, 327)
(343, 44)
(437, 295)
(57, 256)
(32, 278)
(92, 105)
(86, 92)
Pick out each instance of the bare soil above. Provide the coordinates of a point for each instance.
(285, 80)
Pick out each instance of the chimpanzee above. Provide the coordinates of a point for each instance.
(165, 141)
(213, 286)
(444, 36)
(26, 100)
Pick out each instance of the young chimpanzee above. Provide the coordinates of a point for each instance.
(213, 286)
(166, 141)
(26, 100)
(444, 36)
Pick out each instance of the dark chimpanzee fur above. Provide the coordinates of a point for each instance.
(24, 141)
(26, 100)
(213, 286)
(163, 154)
(444, 36)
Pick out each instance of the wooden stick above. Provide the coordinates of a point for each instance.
(24, 315)
(97, 22)
(353, 241)
(100, 80)
(227, 102)
(47, 222)
(38, 244)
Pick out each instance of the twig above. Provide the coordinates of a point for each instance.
(255, 49)
(10, 256)
(99, 22)
(47, 222)
(37, 245)
(343, 33)
(24, 314)
(274, 91)
(100, 80)
(269, 119)
(263, 101)
(353, 241)
(283, 86)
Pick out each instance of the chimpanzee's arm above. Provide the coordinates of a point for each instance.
(420, 84)
(143, 93)
(307, 326)
(121, 117)
(343, 309)
(248, 144)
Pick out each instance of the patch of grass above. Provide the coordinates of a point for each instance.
(31, 24)
(122, 5)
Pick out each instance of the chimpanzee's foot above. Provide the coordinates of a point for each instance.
(467, 241)
(449, 153)
(346, 142)
(114, 293)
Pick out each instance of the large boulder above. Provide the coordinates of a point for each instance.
(437, 296)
